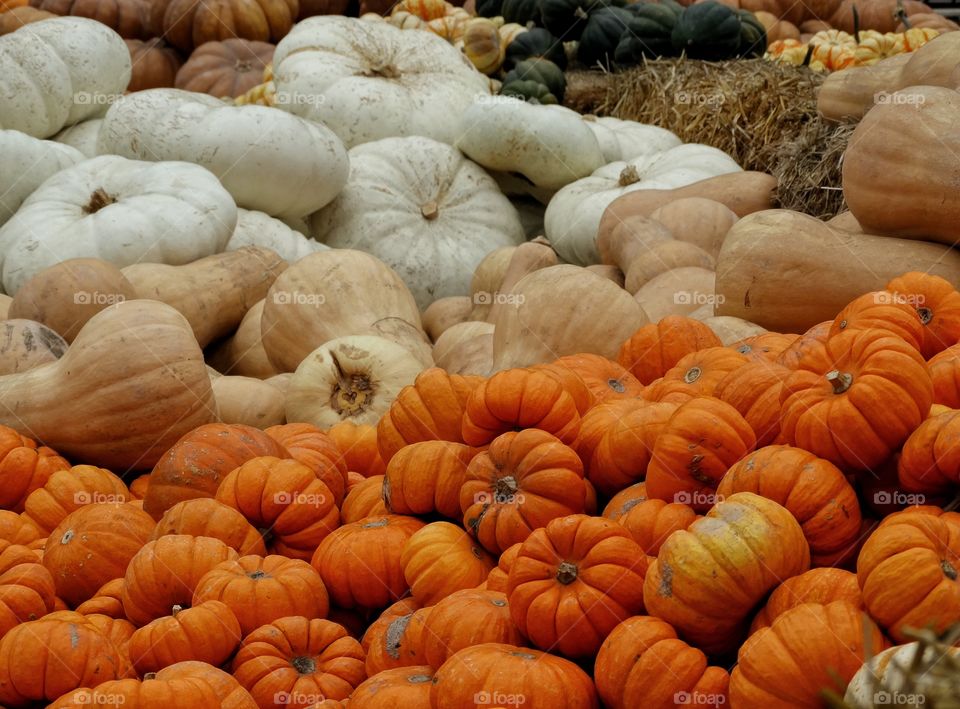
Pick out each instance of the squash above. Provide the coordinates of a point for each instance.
(327, 295)
(225, 69)
(123, 211)
(933, 64)
(731, 329)
(25, 344)
(482, 45)
(852, 92)
(626, 140)
(878, 192)
(82, 136)
(601, 35)
(367, 81)
(648, 32)
(542, 71)
(525, 259)
(535, 43)
(666, 256)
(929, 21)
(708, 31)
(761, 253)
(568, 19)
(699, 221)
(261, 230)
(446, 214)
(530, 91)
(13, 19)
(249, 401)
(141, 351)
(487, 279)
(28, 163)
(466, 348)
(154, 64)
(298, 171)
(679, 291)
(59, 73)
(444, 313)
(242, 354)
(213, 293)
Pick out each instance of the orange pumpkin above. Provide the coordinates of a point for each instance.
(464, 619)
(766, 347)
(881, 310)
(309, 445)
(606, 379)
(930, 462)
(944, 370)
(358, 447)
(24, 467)
(106, 601)
(207, 517)
(652, 521)
(517, 399)
(597, 422)
(754, 391)
(820, 586)
(642, 663)
(442, 558)
(364, 500)
(27, 589)
(810, 342)
(696, 447)
(655, 348)
(573, 581)
(625, 500)
(498, 576)
(701, 371)
(394, 639)
(399, 687)
(225, 69)
(68, 490)
(814, 490)
(524, 480)
(572, 382)
(17, 529)
(860, 402)
(426, 477)
(937, 303)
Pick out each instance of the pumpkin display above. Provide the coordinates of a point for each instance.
(709, 602)
(359, 447)
(154, 64)
(426, 477)
(754, 391)
(440, 559)
(821, 586)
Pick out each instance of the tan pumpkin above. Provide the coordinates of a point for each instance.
(154, 64)
(225, 69)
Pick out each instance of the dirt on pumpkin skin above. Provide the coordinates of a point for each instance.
(665, 589)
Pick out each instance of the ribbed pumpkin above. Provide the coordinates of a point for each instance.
(106, 601)
(814, 491)
(604, 378)
(571, 381)
(881, 310)
(207, 517)
(296, 661)
(944, 371)
(859, 402)
(765, 347)
(358, 447)
(483, 45)
(908, 571)
(24, 467)
(655, 348)
(68, 490)
(399, 687)
(440, 559)
(598, 421)
(754, 391)
(808, 649)
(573, 581)
(694, 450)
(524, 480)
(652, 521)
(642, 663)
(930, 461)
(464, 619)
(937, 303)
(286, 499)
(810, 342)
(93, 545)
(360, 562)
(704, 369)
(497, 579)
(317, 450)
(364, 500)
(821, 586)
(395, 638)
(706, 580)
(27, 589)
(519, 398)
(17, 529)
(426, 477)
(625, 500)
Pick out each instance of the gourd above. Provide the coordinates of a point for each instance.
(698, 221)
(213, 293)
(144, 354)
(261, 230)
(299, 170)
(762, 253)
(28, 162)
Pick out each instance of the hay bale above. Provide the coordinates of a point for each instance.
(762, 113)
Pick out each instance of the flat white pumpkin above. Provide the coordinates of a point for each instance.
(626, 140)
(573, 215)
(27, 162)
(259, 229)
(82, 136)
(268, 160)
(58, 72)
(371, 80)
(423, 209)
(549, 146)
(122, 211)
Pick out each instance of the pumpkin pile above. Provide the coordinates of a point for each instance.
(835, 50)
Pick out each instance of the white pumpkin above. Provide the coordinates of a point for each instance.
(259, 229)
(27, 162)
(883, 680)
(122, 211)
(423, 209)
(550, 146)
(82, 136)
(58, 72)
(370, 80)
(573, 215)
(626, 140)
(268, 160)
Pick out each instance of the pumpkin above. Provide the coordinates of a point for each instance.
(821, 586)
(836, 640)
(643, 663)
(657, 347)
(93, 545)
(247, 400)
(260, 229)
(13, 19)
(483, 45)
(195, 466)
(395, 638)
(444, 313)
(707, 30)
(186, 25)
(883, 310)
(850, 93)
(810, 343)
(84, 62)
(813, 490)
(541, 71)
(227, 68)
(924, 22)
(24, 467)
(765, 347)
(704, 369)
(606, 379)
(32, 161)
(207, 517)
(364, 500)
(429, 409)
(497, 579)
(535, 43)
(466, 349)
(259, 590)
(243, 353)
(648, 32)
(299, 661)
(697, 445)
(709, 601)
(106, 601)
(207, 632)
(328, 295)
(601, 35)
(856, 367)
(416, 80)
(945, 376)
(498, 672)
(27, 589)
(778, 241)
(359, 447)
(285, 498)
(936, 302)
(926, 465)
(165, 572)
(881, 16)
(126, 17)
(907, 571)
(17, 529)
(82, 136)
(650, 522)
(520, 483)
(154, 64)
(426, 477)
(440, 559)
(597, 421)
(70, 489)
(401, 686)
(316, 449)
(360, 562)
(625, 500)
(466, 618)
(888, 672)
(754, 391)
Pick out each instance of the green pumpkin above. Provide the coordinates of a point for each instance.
(536, 43)
(753, 35)
(529, 91)
(567, 19)
(648, 32)
(708, 31)
(489, 8)
(601, 36)
(520, 11)
(542, 71)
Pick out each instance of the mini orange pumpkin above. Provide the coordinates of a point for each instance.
(821, 586)
(625, 500)
(766, 346)
(652, 521)
(395, 638)
(606, 379)
(24, 467)
(754, 391)
(314, 448)
(498, 576)
(597, 422)
(937, 303)
(442, 558)
(207, 517)
(702, 370)
(17, 529)
(881, 310)
(68, 490)
(358, 447)
(655, 348)
(808, 343)
(106, 601)
(426, 477)
(944, 370)
(364, 500)
(466, 618)
(27, 589)
(399, 687)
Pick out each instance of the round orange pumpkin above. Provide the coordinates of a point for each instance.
(881, 310)
(440, 559)
(187, 24)
(754, 391)
(625, 500)
(655, 348)
(225, 69)
(937, 303)
(154, 64)
(500, 574)
(68, 490)
(652, 521)
(426, 477)
(317, 450)
(24, 467)
(929, 463)
(598, 421)
(207, 517)
(17, 529)
(822, 586)
(27, 590)
(464, 619)
(810, 342)
(106, 601)
(358, 447)
(364, 500)
(394, 639)
(607, 380)
(702, 370)
(399, 687)
(765, 347)
(944, 370)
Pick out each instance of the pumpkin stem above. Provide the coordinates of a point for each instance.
(176, 610)
(926, 315)
(430, 211)
(419, 679)
(505, 489)
(243, 65)
(382, 522)
(304, 665)
(257, 575)
(692, 375)
(856, 24)
(629, 176)
(809, 55)
(350, 394)
(901, 14)
(841, 381)
(616, 385)
(98, 200)
(948, 570)
(384, 71)
(150, 675)
(567, 573)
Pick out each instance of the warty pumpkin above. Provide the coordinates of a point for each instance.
(936, 302)
(440, 559)
(820, 586)
(207, 517)
(24, 467)
(426, 477)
